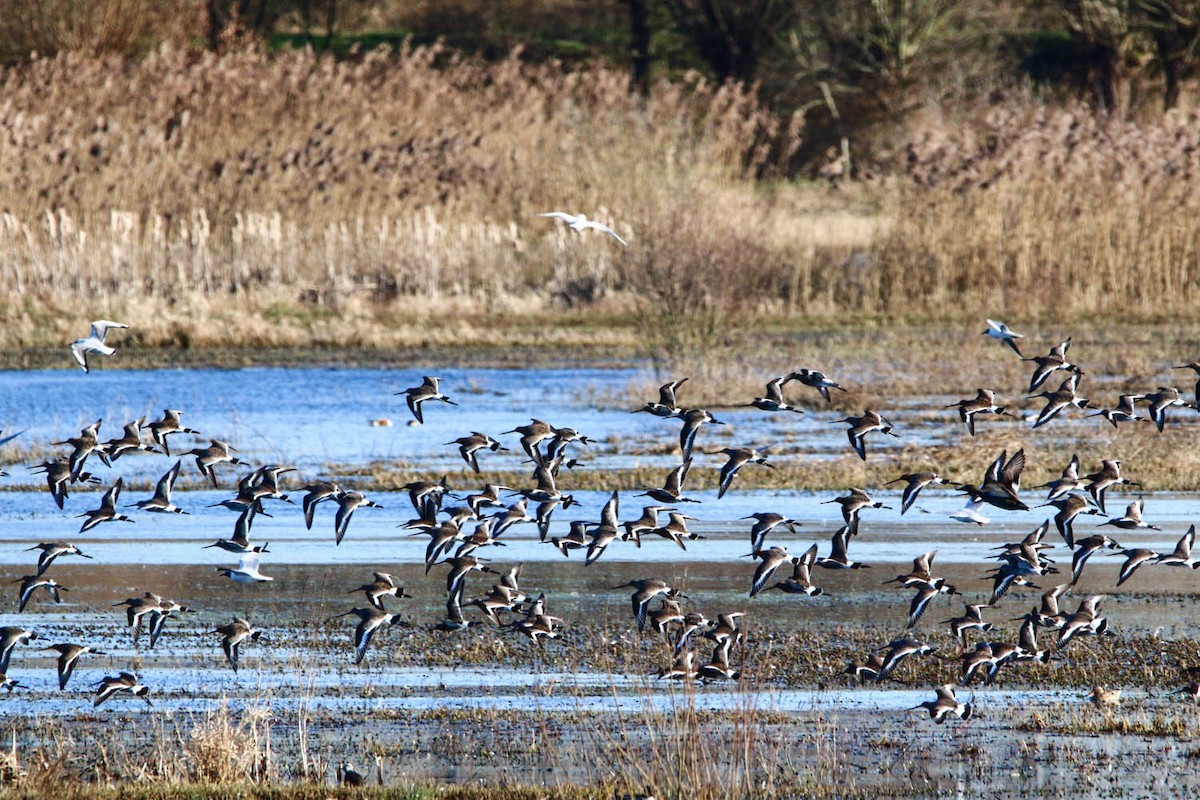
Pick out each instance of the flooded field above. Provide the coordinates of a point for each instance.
(485, 704)
(318, 419)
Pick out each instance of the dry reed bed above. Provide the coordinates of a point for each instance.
(389, 200)
(1057, 210)
(416, 175)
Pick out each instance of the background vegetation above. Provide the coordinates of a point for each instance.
(341, 172)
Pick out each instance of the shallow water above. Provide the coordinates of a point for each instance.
(318, 418)
(495, 689)
(309, 418)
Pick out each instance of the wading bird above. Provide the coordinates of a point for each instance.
(125, 682)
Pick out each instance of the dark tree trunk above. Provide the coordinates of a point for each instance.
(1175, 26)
(330, 22)
(261, 16)
(215, 23)
(639, 31)
(1113, 81)
(1171, 78)
(306, 18)
(1174, 46)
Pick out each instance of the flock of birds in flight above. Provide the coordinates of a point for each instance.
(655, 603)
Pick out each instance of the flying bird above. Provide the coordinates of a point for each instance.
(371, 619)
(10, 637)
(428, 390)
(107, 512)
(347, 503)
(246, 571)
(916, 481)
(1124, 411)
(1069, 482)
(580, 223)
(815, 379)
(693, 418)
(218, 452)
(468, 446)
(233, 635)
(1160, 401)
(1181, 556)
(773, 399)
(31, 583)
(167, 426)
(161, 501)
(946, 705)
(1055, 359)
(1001, 483)
(672, 488)
(1069, 507)
(126, 682)
(984, 402)
(94, 342)
(801, 580)
(645, 590)
(1132, 518)
(1003, 333)
(852, 503)
(1108, 476)
(68, 657)
(739, 457)
(764, 523)
(52, 550)
(771, 559)
(1056, 401)
(897, 651)
(131, 440)
(666, 405)
(861, 426)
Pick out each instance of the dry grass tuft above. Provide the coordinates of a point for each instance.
(685, 753)
(1177, 722)
(222, 747)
